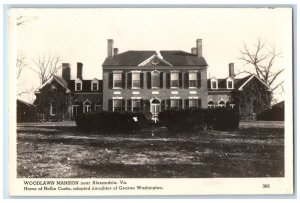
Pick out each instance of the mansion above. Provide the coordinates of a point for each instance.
(150, 81)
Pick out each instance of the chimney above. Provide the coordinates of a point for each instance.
(66, 72)
(79, 70)
(110, 45)
(199, 47)
(231, 70)
(116, 51)
(194, 50)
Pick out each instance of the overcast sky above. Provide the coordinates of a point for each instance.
(80, 35)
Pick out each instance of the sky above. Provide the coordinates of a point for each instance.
(80, 35)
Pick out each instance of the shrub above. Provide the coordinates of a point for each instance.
(111, 122)
(200, 119)
(275, 114)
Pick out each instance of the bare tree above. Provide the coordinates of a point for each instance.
(20, 64)
(46, 66)
(262, 60)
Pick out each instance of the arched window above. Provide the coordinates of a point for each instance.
(210, 104)
(87, 106)
(221, 104)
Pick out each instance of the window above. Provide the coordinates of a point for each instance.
(193, 80)
(214, 83)
(136, 80)
(174, 104)
(117, 78)
(155, 79)
(193, 103)
(95, 85)
(87, 106)
(98, 106)
(75, 110)
(174, 80)
(210, 104)
(52, 109)
(136, 105)
(229, 84)
(221, 104)
(117, 105)
(78, 86)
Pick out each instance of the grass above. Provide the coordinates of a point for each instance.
(59, 150)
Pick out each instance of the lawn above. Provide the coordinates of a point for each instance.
(59, 150)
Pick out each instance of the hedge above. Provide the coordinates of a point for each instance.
(275, 114)
(200, 119)
(111, 122)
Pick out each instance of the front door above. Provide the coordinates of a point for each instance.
(155, 109)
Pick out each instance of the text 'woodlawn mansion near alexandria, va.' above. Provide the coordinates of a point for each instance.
(150, 81)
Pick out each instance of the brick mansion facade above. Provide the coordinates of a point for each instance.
(151, 81)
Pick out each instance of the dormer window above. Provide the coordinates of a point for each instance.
(230, 83)
(214, 83)
(78, 85)
(95, 85)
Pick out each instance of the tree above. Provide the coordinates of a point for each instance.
(46, 66)
(262, 60)
(20, 64)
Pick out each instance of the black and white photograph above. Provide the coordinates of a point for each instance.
(153, 101)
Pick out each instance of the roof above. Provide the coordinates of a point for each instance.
(60, 80)
(86, 86)
(238, 82)
(134, 58)
(278, 105)
(25, 103)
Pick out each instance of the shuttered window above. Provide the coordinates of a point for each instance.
(174, 80)
(192, 79)
(136, 104)
(155, 80)
(117, 105)
(117, 77)
(136, 80)
(193, 103)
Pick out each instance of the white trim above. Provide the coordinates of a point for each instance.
(94, 81)
(193, 97)
(51, 108)
(228, 80)
(78, 81)
(117, 92)
(213, 79)
(193, 92)
(49, 81)
(136, 98)
(136, 71)
(174, 97)
(117, 97)
(117, 71)
(135, 92)
(152, 57)
(241, 87)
